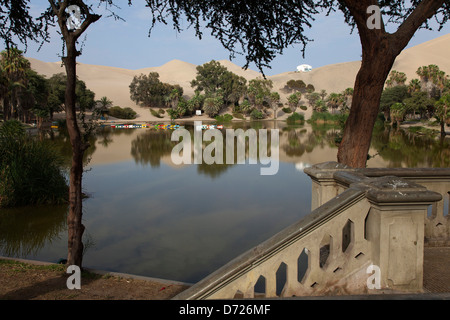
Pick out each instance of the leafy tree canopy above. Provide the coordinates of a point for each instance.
(215, 79)
(261, 30)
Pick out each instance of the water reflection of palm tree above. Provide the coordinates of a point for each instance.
(295, 146)
(151, 146)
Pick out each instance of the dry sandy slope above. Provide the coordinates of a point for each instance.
(114, 82)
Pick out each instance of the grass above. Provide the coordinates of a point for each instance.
(21, 267)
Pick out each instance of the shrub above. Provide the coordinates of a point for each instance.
(287, 110)
(295, 118)
(256, 115)
(325, 116)
(173, 114)
(122, 113)
(304, 108)
(155, 113)
(238, 115)
(30, 170)
(225, 118)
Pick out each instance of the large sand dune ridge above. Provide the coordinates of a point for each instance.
(114, 82)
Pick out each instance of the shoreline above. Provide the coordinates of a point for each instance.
(102, 272)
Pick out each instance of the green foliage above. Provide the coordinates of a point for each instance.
(286, 110)
(182, 108)
(418, 102)
(335, 101)
(30, 170)
(173, 114)
(246, 107)
(85, 97)
(295, 118)
(442, 112)
(196, 102)
(392, 95)
(155, 113)
(324, 117)
(12, 129)
(321, 106)
(103, 104)
(310, 88)
(224, 118)
(312, 98)
(122, 113)
(149, 91)
(294, 100)
(259, 92)
(396, 78)
(213, 80)
(256, 115)
(296, 85)
(238, 115)
(398, 111)
(212, 106)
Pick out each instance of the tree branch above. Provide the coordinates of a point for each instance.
(424, 11)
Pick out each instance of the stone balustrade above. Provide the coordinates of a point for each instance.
(362, 220)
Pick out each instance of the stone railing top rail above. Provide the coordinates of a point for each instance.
(328, 169)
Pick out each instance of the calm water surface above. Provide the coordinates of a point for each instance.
(147, 216)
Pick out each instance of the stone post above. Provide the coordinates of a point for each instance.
(395, 229)
(324, 186)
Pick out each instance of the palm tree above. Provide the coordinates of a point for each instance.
(274, 102)
(294, 100)
(442, 112)
(414, 86)
(348, 97)
(103, 104)
(173, 98)
(335, 100)
(14, 68)
(432, 79)
(398, 111)
(396, 79)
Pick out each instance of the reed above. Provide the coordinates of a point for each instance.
(30, 170)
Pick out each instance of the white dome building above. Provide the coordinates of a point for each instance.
(304, 68)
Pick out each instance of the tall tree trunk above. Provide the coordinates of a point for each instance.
(379, 50)
(369, 86)
(74, 218)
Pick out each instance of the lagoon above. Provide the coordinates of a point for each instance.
(147, 216)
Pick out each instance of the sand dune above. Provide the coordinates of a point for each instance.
(114, 82)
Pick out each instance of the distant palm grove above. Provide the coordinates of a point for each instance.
(28, 97)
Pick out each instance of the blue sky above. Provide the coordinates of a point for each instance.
(127, 45)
